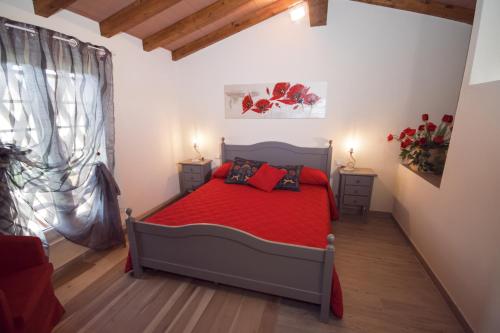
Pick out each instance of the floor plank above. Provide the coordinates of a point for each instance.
(385, 289)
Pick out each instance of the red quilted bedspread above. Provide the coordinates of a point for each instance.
(299, 218)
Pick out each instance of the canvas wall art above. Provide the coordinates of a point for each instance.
(276, 100)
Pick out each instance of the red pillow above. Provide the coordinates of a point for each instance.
(266, 177)
(312, 176)
(223, 170)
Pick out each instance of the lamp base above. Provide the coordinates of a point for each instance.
(350, 165)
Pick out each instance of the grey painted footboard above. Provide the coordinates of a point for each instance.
(233, 257)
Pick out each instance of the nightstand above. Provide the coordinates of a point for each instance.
(194, 174)
(355, 191)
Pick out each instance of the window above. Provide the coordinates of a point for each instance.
(57, 137)
(18, 126)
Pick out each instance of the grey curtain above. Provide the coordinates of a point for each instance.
(57, 137)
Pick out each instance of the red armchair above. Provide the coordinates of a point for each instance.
(27, 300)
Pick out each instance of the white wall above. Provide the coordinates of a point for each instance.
(384, 67)
(457, 227)
(148, 129)
(486, 62)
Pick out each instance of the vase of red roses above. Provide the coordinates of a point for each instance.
(424, 148)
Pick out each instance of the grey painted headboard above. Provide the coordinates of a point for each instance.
(280, 153)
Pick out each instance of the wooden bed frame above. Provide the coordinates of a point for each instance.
(229, 256)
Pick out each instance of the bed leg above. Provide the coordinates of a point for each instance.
(327, 280)
(134, 254)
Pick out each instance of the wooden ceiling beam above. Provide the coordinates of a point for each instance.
(318, 11)
(429, 7)
(193, 22)
(232, 28)
(133, 15)
(47, 8)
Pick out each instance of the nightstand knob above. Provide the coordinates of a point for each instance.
(357, 181)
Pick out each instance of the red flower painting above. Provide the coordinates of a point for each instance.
(283, 93)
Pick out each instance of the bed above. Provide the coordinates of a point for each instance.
(228, 234)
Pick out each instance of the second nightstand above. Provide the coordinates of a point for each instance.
(355, 191)
(194, 174)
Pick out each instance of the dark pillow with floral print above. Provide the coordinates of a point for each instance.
(241, 170)
(290, 181)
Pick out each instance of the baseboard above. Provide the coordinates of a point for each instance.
(454, 308)
(380, 214)
(352, 216)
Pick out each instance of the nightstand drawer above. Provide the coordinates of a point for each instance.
(354, 200)
(358, 180)
(192, 177)
(188, 185)
(191, 168)
(357, 190)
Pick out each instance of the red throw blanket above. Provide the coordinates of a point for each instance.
(299, 218)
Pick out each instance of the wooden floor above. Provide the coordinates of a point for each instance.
(385, 290)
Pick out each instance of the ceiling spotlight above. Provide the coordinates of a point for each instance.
(298, 11)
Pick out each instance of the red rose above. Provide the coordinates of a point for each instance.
(247, 103)
(390, 137)
(410, 131)
(439, 139)
(447, 118)
(431, 127)
(425, 117)
(406, 143)
(402, 135)
(422, 141)
(421, 128)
